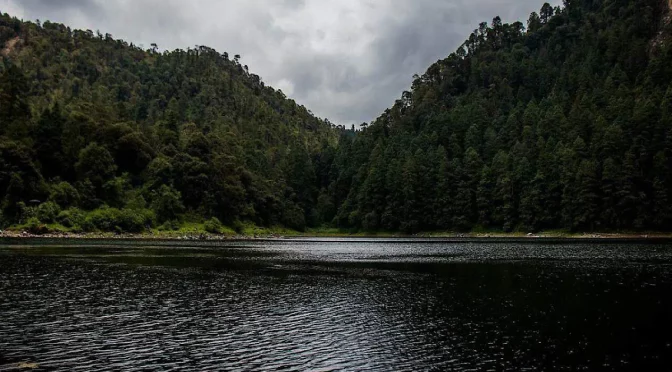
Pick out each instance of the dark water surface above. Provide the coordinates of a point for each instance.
(325, 305)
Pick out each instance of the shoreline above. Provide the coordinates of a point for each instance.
(204, 236)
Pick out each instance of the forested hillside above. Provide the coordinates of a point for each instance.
(89, 122)
(561, 123)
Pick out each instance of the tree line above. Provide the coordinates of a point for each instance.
(560, 123)
(97, 134)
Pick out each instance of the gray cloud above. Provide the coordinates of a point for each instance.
(345, 60)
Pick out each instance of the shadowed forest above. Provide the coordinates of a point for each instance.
(562, 122)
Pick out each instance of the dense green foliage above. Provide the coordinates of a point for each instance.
(563, 123)
(90, 123)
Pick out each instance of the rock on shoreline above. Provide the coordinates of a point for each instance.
(142, 236)
(220, 237)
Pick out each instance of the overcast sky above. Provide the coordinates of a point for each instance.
(346, 60)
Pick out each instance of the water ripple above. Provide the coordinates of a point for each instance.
(311, 306)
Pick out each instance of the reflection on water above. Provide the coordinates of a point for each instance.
(341, 305)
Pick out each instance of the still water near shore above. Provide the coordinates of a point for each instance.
(336, 304)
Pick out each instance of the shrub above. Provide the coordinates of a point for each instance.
(104, 219)
(294, 217)
(86, 226)
(116, 220)
(238, 226)
(47, 212)
(213, 226)
(136, 201)
(167, 203)
(135, 220)
(34, 226)
(116, 190)
(170, 225)
(64, 194)
(71, 217)
(87, 195)
(24, 212)
(96, 164)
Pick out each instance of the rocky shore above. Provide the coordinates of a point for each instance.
(126, 236)
(223, 237)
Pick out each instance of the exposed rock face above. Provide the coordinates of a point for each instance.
(11, 43)
(663, 35)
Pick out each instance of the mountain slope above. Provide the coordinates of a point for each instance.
(87, 121)
(563, 124)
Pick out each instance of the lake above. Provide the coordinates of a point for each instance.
(336, 304)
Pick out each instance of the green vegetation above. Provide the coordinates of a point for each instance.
(565, 124)
(100, 135)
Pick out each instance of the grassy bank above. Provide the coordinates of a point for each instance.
(105, 222)
(183, 230)
(212, 231)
